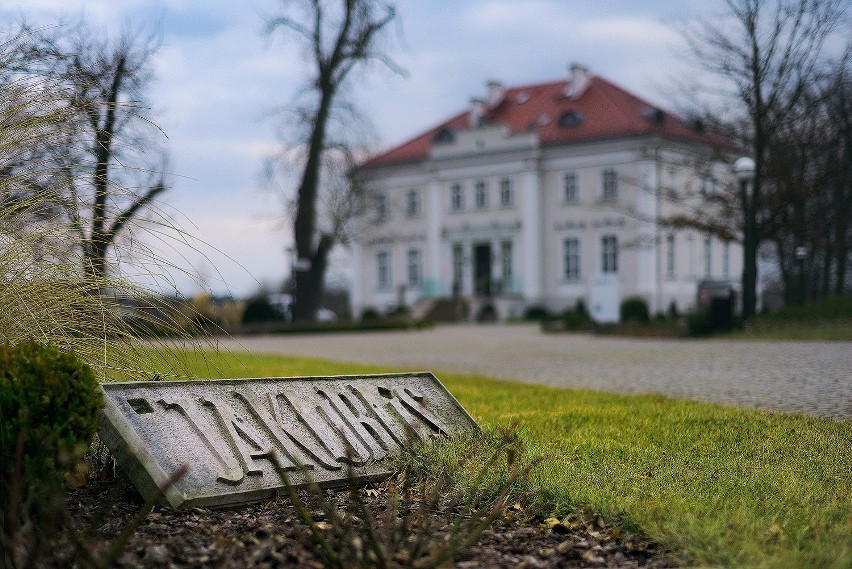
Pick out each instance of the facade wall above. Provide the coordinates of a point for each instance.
(498, 219)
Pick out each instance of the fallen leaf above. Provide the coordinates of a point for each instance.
(592, 558)
(615, 533)
(554, 525)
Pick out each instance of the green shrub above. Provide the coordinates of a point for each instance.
(488, 313)
(401, 311)
(699, 324)
(536, 312)
(580, 308)
(370, 315)
(574, 320)
(50, 406)
(634, 309)
(829, 308)
(260, 309)
(673, 313)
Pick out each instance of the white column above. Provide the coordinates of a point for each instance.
(648, 259)
(529, 199)
(434, 220)
(358, 286)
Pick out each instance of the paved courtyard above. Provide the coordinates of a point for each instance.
(806, 377)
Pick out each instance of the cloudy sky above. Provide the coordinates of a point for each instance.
(219, 80)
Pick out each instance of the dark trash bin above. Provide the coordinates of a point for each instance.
(721, 314)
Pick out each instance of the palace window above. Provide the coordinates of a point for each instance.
(415, 270)
(506, 263)
(412, 203)
(571, 259)
(382, 206)
(610, 185)
(383, 270)
(481, 195)
(708, 257)
(456, 198)
(670, 256)
(458, 266)
(507, 196)
(570, 189)
(609, 254)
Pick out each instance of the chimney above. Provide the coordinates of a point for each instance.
(578, 82)
(477, 112)
(496, 92)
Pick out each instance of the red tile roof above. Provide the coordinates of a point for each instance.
(607, 111)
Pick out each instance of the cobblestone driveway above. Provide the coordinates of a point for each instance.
(806, 377)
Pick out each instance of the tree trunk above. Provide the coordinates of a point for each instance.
(311, 263)
(842, 197)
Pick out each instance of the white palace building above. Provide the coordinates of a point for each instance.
(540, 196)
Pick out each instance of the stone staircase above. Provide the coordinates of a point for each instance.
(440, 310)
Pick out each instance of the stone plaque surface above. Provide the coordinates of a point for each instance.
(225, 431)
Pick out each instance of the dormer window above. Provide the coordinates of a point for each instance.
(444, 136)
(653, 115)
(570, 119)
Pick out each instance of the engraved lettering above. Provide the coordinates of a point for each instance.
(306, 416)
(402, 413)
(376, 409)
(354, 451)
(232, 472)
(367, 418)
(140, 405)
(273, 421)
(415, 404)
(238, 432)
(363, 443)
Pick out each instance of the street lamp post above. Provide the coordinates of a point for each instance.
(801, 253)
(744, 169)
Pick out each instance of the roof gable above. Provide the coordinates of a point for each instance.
(603, 110)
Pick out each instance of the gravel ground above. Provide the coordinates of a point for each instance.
(802, 377)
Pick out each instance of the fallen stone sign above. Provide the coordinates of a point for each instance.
(226, 431)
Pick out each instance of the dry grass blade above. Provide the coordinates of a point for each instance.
(49, 291)
(407, 531)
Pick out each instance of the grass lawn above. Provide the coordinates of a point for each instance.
(838, 331)
(719, 486)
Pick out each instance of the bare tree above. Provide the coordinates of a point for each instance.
(34, 119)
(809, 169)
(766, 54)
(116, 173)
(337, 37)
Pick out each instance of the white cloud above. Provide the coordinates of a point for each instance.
(626, 31)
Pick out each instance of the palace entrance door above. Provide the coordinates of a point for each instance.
(482, 269)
